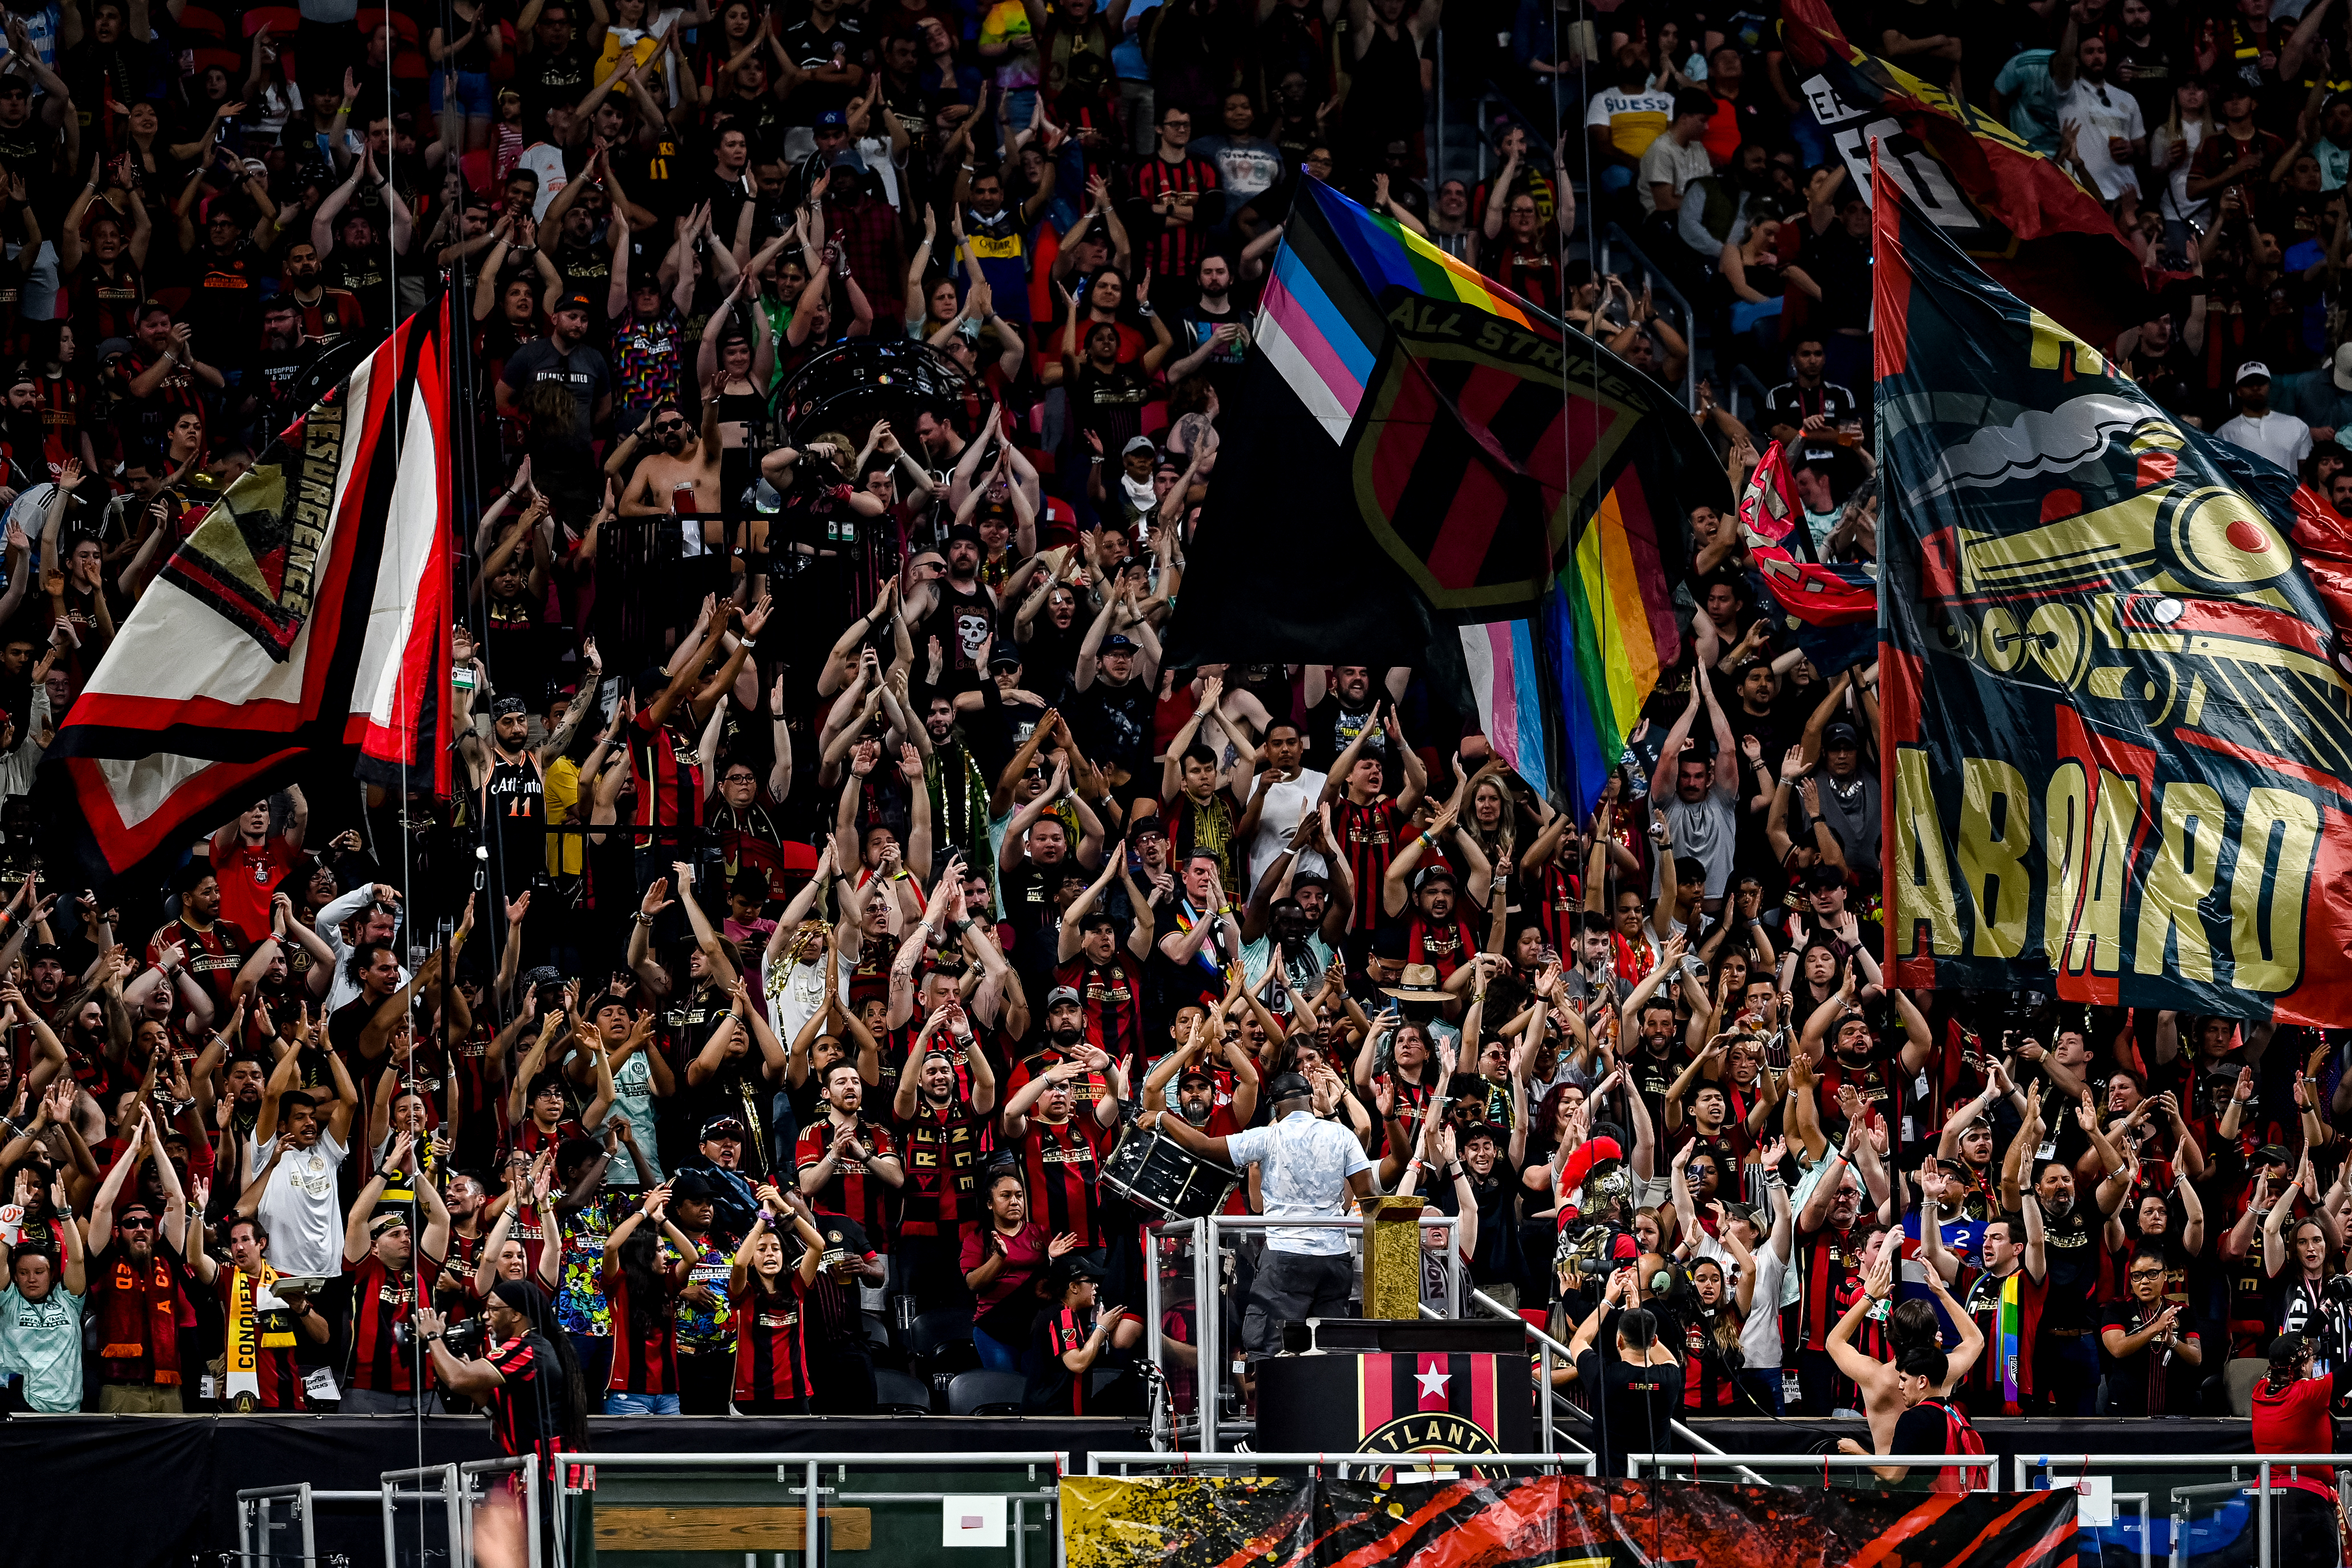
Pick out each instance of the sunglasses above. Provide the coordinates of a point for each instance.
(127, 1222)
(662, 426)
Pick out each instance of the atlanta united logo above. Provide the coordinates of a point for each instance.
(1431, 1432)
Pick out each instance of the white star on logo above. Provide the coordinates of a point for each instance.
(1433, 1381)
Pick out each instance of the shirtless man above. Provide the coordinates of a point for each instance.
(1889, 1389)
(683, 458)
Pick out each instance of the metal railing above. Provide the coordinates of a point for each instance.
(1666, 1465)
(815, 1494)
(474, 1474)
(447, 1489)
(2182, 1498)
(1209, 1357)
(1551, 1347)
(1614, 233)
(258, 1520)
(1316, 1462)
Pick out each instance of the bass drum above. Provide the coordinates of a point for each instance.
(852, 385)
(1155, 1170)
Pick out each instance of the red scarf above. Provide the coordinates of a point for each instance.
(138, 1317)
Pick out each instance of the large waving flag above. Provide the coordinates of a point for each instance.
(1478, 489)
(1830, 611)
(2019, 215)
(309, 609)
(2118, 728)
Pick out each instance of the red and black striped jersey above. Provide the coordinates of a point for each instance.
(380, 1300)
(863, 1197)
(1174, 250)
(770, 1353)
(1061, 1162)
(1113, 998)
(1829, 1272)
(941, 1146)
(1368, 836)
(523, 1411)
(646, 1363)
(214, 954)
(669, 795)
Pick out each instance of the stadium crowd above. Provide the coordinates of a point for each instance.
(818, 952)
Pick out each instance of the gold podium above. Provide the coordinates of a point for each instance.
(1392, 1257)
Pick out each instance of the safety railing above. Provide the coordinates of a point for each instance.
(432, 1484)
(823, 1512)
(1550, 1347)
(2183, 1499)
(258, 1524)
(1675, 1464)
(473, 1478)
(1210, 1366)
(1316, 1463)
(1614, 234)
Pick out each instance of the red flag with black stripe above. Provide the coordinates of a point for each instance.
(2017, 213)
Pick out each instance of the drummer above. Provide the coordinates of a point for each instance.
(1196, 1089)
(1307, 1168)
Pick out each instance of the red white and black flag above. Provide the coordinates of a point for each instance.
(308, 610)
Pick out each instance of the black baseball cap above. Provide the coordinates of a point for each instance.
(573, 302)
(723, 1126)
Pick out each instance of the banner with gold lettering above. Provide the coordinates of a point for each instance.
(2117, 725)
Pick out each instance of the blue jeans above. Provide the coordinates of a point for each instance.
(641, 1404)
(473, 93)
(995, 1355)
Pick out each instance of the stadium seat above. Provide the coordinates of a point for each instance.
(2239, 1377)
(940, 1338)
(986, 1394)
(878, 1337)
(283, 21)
(896, 1393)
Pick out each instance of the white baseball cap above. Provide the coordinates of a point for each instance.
(2253, 370)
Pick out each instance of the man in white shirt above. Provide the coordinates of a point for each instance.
(1307, 1168)
(2282, 438)
(296, 1149)
(381, 904)
(1287, 790)
(2109, 133)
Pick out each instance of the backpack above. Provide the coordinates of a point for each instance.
(1960, 1436)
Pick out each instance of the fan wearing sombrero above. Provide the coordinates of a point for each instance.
(1436, 933)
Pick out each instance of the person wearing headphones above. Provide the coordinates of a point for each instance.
(1637, 1394)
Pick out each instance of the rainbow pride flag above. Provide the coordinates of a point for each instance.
(1614, 630)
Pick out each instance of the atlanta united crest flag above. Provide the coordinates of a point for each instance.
(2117, 723)
(307, 609)
(1476, 490)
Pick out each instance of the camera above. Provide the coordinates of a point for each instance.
(466, 1340)
(2339, 1290)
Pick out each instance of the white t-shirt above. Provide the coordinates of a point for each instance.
(1633, 120)
(1304, 1163)
(1760, 1332)
(544, 159)
(1286, 803)
(2282, 438)
(299, 1207)
(2103, 110)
